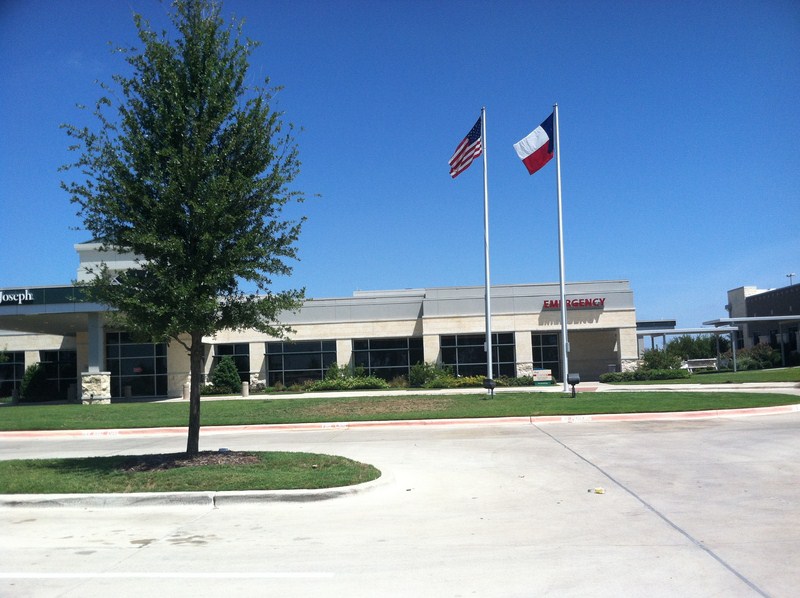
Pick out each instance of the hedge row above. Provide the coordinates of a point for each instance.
(638, 375)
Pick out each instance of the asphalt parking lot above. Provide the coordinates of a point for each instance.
(702, 507)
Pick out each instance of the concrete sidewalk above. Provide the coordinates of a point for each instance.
(591, 386)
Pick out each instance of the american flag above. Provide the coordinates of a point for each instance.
(469, 149)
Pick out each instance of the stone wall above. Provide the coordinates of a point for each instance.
(95, 388)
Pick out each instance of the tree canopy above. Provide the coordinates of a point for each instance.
(189, 168)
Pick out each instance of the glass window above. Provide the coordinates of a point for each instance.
(240, 352)
(12, 368)
(546, 353)
(387, 358)
(466, 354)
(140, 366)
(61, 369)
(291, 363)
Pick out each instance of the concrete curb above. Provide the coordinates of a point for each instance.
(210, 499)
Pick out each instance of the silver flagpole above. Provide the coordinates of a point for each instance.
(489, 382)
(564, 337)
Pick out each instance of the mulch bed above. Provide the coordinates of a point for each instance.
(172, 460)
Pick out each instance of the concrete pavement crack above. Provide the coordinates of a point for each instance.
(658, 514)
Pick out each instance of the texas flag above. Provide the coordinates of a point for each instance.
(536, 149)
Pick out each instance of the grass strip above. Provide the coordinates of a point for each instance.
(266, 471)
(233, 412)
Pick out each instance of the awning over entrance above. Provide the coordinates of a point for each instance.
(61, 311)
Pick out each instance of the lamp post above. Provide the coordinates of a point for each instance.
(790, 276)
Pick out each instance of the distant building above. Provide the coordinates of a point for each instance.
(385, 332)
(767, 316)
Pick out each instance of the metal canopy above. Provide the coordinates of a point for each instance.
(682, 331)
(747, 320)
(664, 332)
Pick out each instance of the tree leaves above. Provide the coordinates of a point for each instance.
(189, 169)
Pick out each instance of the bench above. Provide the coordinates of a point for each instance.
(709, 363)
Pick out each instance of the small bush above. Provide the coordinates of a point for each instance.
(469, 382)
(335, 372)
(349, 383)
(225, 377)
(398, 382)
(669, 374)
(518, 381)
(441, 382)
(340, 378)
(760, 357)
(656, 359)
(644, 375)
(34, 387)
(430, 375)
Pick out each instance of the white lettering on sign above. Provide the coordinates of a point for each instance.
(15, 297)
(583, 303)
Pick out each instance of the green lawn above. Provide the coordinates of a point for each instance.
(263, 471)
(299, 470)
(361, 408)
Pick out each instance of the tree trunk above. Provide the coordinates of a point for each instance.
(196, 372)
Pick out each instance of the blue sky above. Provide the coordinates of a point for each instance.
(680, 123)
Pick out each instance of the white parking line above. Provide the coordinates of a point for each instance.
(170, 575)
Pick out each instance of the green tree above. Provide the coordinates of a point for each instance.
(34, 386)
(657, 359)
(190, 171)
(697, 347)
(225, 376)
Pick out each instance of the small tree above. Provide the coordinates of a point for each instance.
(697, 347)
(191, 175)
(225, 376)
(34, 386)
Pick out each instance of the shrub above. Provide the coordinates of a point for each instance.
(469, 382)
(643, 375)
(430, 375)
(421, 374)
(349, 383)
(656, 359)
(612, 377)
(335, 372)
(441, 382)
(668, 374)
(765, 355)
(762, 356)
(225, 377)
(518, 381)
(34, 387)
(340, 378)
(398, 382)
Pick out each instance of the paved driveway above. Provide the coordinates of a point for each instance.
(690, 508)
